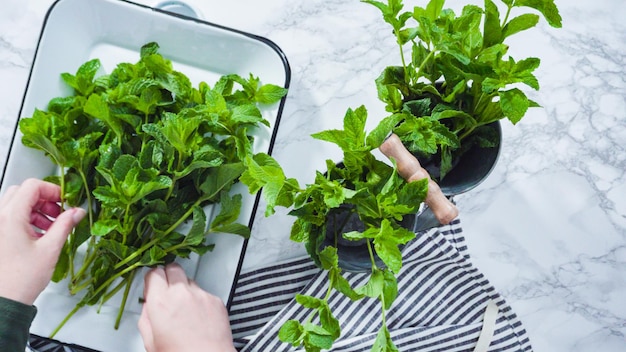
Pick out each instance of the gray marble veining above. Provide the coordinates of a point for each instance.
(547, 228)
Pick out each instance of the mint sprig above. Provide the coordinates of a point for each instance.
(361, 184)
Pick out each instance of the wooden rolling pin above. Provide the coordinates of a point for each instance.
(410, 169)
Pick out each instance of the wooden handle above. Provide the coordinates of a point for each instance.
(410, 169)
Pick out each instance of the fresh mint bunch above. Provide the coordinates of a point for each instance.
(459, 76)
(144, 151)
(372, 190)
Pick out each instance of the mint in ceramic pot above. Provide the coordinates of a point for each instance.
(378, 201)
(455, 76)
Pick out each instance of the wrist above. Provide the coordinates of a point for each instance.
(20, 297)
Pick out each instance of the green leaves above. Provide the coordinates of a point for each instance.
(146, 153)
(425, 134)
(181, 133)
(383, 342)
(520, 23)
(514, 104)
(360, 199)
(492, 29)
(391, 15)
(128, 183)
(226, 220)
(313, 337)
(222, 178)
(547, 8)
(457, 81)
(269, 94)
(352, 137)
(83, 81)
(46, 132)
(264, 172)
(459, 66)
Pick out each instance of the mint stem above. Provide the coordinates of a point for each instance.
(66, 319)
(129, 282)
(156, 240)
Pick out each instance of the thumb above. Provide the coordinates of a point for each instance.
(61, 227)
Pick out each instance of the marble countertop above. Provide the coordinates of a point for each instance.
(547, 228)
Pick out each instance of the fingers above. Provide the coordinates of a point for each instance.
(40, 221)
(57, 232)
(155, 282)
(176, 274)
(145, 329)
(159, 279)
(41, 216)
(51, 209)
(32, 191)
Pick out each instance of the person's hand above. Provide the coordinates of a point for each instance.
(178, 315)
(31, 238)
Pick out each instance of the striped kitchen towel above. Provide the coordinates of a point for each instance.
(444, 303)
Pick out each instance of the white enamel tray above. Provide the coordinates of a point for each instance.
(76, 31)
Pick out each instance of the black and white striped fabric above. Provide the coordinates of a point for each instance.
(442, 304)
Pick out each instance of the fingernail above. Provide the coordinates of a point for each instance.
(78, 215)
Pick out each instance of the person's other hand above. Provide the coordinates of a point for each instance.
(178, 315)
(33, 229)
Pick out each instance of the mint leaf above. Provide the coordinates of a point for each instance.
(82, 82)
(62, 266)
(269, 94)
(390, 288)
(196, 234)
(547, 8)
(433, 9)
(98, 108)
(334, 193)
(520, 23)
(291, 332)
(181, 132)
(248, 114)
(387, 249)
(374, 286)
(225, 221)
(378, 135)
(425, 134)
(263, 171)
(354, 127)
(47, 132)
(105, 226)
(514, 104)
(446, 161)
(148, 49)
(109, 197)
(317, 337)
(383, 342)
(329, 258)
(220, 178)
(342, 285)
(352, 137)
(153, 256)
(334, 136)
(492, 53)
(329, 323)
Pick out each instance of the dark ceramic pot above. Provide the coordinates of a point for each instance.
(353, 255)
(470, 170)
